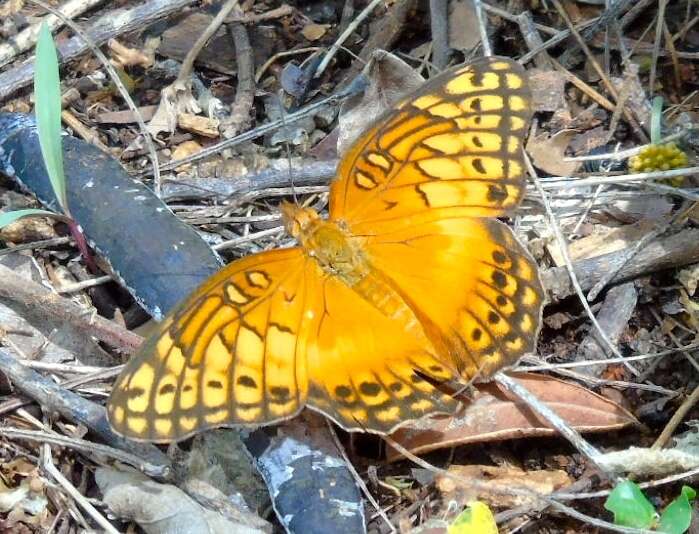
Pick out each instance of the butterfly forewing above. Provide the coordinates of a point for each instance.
(454, 146)
(232, 354)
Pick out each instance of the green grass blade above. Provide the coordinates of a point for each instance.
(11, 216)
(47, 95)
(656, 118)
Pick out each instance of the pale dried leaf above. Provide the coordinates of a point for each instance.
(390, 78)
(495, 415)
(547, 153)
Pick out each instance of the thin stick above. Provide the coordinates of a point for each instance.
(552, 418)
(439, 27)
(344, 36)
(487, 50)
(563, 245)
(51, 469)
(676, 419)
(358, 479)
(84, 446)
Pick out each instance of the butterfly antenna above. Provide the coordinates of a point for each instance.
(282, 116)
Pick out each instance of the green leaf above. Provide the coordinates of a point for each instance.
(12, 216)
(476, 519)
(678, 514)
(630, 507)
(47, 96)
(656, 117)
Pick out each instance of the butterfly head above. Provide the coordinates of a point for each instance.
(299, 221)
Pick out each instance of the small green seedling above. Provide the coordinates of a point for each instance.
(47, 96)
(631, 508)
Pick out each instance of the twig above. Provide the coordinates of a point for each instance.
(247, 238)
(85, 284)
(349, 90)
(439, 28)
(563, 245)
(116, 79)
(487, 50)
(83, 446)
(245, 91)
(660, 22)
(30, 295)
(344, 36)
(357, 478)
(73, 407)
(188, 61)
(530, 32)
(51, 469)
(567, 182)
(25, 39)
(676, 419)
(112, 24)
(553, 419)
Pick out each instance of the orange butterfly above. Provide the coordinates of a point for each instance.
(411, 282)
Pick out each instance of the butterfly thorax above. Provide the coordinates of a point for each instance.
(329, 244)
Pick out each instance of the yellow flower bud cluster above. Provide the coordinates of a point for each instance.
(659, 158)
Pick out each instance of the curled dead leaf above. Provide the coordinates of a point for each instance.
(495, 415)
(548, 153)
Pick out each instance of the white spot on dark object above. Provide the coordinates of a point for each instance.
(159, 210)
(140, 197)
(89, 184)
(182, 243)
(175, 247)
(116, 187)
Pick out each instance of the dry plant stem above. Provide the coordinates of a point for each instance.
(515, 18)
(85, 284)
(357, 478)
(112, 24)
(482, 21)
(607, 361)
(83, 131)
(674, 339)
(524, 492)
(439, 28)
(344, 36)
(73, 407)
(241, 109)
(282, 11)
(529, 31)
(609, 276)
(208, 33)
(660, 22)
(563, 245)
(284, 53)
(117, 82)
(15, 288)
(553, 419)
(88, 447)
(51, 469)
(590, 56)
(567, 182)
(25, 39)
(262, 130)
(676, 419)
(34, 245)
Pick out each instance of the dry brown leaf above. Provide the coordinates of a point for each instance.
(313, 31)
(548, 152)
(495, 415)
(389, 79)
(463, 25)
(499, 478)
(548, 90)
(123, 56)
(10, 7)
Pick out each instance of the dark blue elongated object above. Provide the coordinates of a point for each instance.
(160, 260)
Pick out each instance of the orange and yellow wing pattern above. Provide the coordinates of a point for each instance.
(231, 354)
(455, 146)
(474, 288)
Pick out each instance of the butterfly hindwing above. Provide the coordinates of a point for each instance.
(454, 146)
(231, 354)
(368, 370)
(474, 287)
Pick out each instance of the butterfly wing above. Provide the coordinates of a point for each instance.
(454, 146)
(475, 289)
(417, 191)
(230, 354)
(365, 370)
